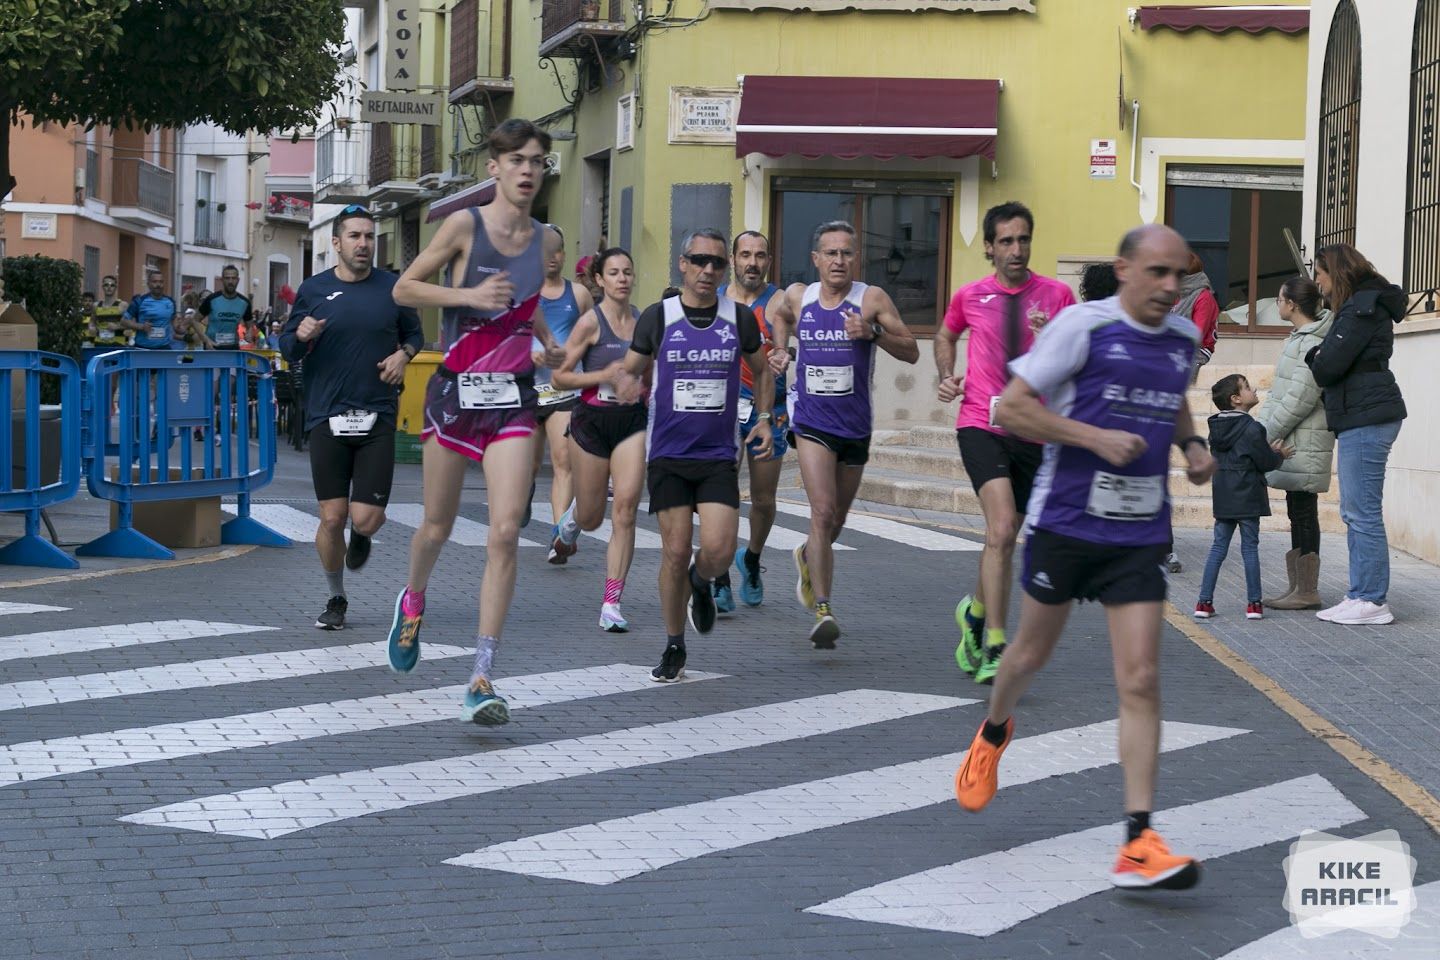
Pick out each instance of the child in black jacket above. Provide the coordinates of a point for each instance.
(1243, 456)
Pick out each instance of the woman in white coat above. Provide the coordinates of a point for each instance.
(1293, 413)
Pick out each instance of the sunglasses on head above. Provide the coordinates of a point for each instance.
(703, 260)
(355, 208)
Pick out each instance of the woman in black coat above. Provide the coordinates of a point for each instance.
(1364, 409)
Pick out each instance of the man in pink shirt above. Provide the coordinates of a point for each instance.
(1003, 312)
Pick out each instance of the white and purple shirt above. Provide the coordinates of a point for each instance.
(697, 384)
(831, 387)
(1095, 364)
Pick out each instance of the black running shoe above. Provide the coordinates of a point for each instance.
(672, 665)
(702, 603)
(529, 506)
(358, 551)
(334, 616)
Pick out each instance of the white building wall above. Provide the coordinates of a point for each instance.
(226, 156)
(360, 23)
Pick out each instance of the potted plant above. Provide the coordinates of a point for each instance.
(590, 10)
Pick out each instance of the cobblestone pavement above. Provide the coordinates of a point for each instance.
(189, 769)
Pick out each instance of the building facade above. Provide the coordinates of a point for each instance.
(282, 192)
(1371, 180)
(212, 222)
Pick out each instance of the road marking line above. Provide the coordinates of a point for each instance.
(81, 639)
(907, 534)
(283, 519)
(286, 808)
(1417, 940)
(8, 609)
(228, 553)
(1407, 791)
(466, 533)
(40, 759)
(203, 673)
(644, 539)
(987, 894)
(614, 850)
(780, 538)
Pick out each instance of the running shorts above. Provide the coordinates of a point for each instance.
(989, 456)
(848, 450)
(688, 483)
(599, 430)
(543, 413)
(470, 432)
(357, 468)
(1059, 569)
(780, 428)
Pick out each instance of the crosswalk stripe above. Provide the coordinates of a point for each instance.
(601, 853)
(987, 894)
(283, 519)
(644, 539)
(82, 639)
(39, 759)
(202, 673)
(908, 534)
(8, 608)
(286, 808)
(466, 533)
(780, 538)
(1417, 941)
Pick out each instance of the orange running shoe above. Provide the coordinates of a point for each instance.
(979, 777)
(1146, 863)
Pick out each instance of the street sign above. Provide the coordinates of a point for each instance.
(385, 106)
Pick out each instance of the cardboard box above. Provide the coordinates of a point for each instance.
(49, 446)
(17, 332)
(178, 524)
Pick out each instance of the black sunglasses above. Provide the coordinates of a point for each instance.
(703, 260)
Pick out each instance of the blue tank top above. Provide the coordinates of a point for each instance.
(697, 387)
(560, 316)
(831, 388)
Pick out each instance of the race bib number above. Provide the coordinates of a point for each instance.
(605, 393)
(994, 402)
(829, 381)
(744, 409)
(1125, 498)
(549, 396)
(699, 396)
(352, 423)
(224, 339)
(488, 391)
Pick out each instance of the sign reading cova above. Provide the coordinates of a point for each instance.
(382, 106)
(402, 44)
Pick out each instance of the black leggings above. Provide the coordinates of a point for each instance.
(1304, 511)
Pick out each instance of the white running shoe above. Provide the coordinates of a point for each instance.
(1364, 613)
(612, 620)
(1329, 612)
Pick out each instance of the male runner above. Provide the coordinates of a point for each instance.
(563, 303)
(1003, 312)
(841, 322)
(226, 310)
(111, 329)
(697, 342)
(750, 285)
(152, 316)
(355, 343)
(480, 405)
(1113, 375)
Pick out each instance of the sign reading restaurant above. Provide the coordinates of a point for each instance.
(385, 106)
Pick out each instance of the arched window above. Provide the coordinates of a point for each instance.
(1339, 129)
(1422, 202)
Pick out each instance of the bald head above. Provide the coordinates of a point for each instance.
(1151, 262)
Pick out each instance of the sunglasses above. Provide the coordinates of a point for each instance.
(355, 208)
(704, 260)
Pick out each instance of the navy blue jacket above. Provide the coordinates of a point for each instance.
(1243, 456)
(1352, 363)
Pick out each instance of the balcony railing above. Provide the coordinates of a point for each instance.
(567, 27)
(209, 225)
(480, 51)
(394, 153)
(139, 184)
(340, 151)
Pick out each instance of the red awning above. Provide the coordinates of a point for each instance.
(473, 196)
(1251, 19)
(879, 117)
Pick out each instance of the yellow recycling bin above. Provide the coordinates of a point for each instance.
(411, 417)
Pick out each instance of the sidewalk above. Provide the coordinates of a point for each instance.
(1380, 685)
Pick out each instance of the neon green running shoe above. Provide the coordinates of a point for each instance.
(990, 655)
(972, 629)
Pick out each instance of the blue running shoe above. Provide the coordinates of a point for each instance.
(404, 638)
(752, 588)
(484, 706)
(724, 598)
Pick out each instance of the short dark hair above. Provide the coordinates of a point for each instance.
(735, 244)
(110, 276)
(832, 226)
(1098, 281)
(352, 212)
(88, 293)
(669, 292)
(597, 262)
(229, 266)
(1009, 210)
(1225, 388)
(514, 134)
(707, 233)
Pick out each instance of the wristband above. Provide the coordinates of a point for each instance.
(408, 350)
(1193, 439)
(764, 417)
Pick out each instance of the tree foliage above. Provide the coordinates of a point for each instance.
(50, 290)
(241, 64)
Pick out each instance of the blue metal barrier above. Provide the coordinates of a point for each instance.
(35, 494)
(168, 394)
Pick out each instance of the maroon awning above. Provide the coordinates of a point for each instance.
(879, 117)
(1251, 19)
(473, 196)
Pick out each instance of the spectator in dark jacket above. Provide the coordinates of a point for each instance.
(1243, 456)
(1364, 409)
